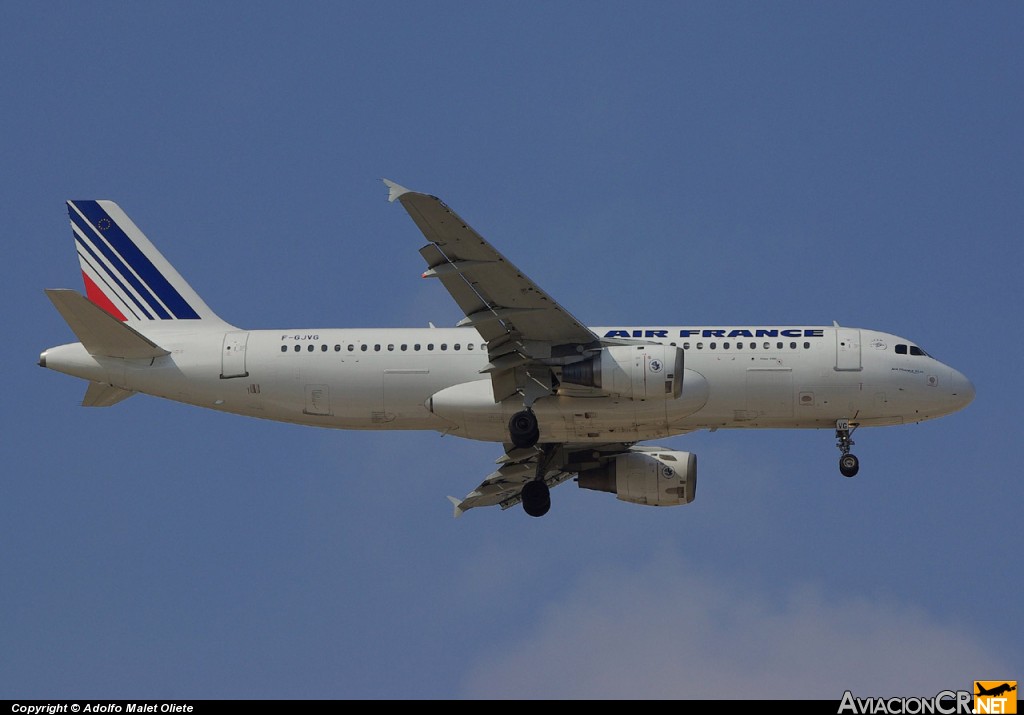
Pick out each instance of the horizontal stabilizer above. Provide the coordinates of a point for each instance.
(100, 395)
(100, 332)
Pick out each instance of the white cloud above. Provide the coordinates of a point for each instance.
(665, 632)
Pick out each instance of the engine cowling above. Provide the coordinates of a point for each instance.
(654, 478)
(636, 372)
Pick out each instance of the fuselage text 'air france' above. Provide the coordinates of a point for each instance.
(718, 333)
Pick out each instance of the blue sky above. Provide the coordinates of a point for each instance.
(661, 163)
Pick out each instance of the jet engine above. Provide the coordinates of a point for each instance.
(636, 372)
(646, 476)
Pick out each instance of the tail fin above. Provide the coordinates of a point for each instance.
(125, 274)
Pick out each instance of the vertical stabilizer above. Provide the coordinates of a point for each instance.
(125, 274)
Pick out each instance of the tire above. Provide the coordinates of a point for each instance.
(536, 498)
(849, 465)
(523, 429)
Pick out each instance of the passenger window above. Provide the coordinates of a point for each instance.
(363, 347)
(430, 346)
(739, 346)
(753, 346)
(725, 346)
(351, 347)
(457, 346)
(323, 348)
(712, 345)
(444, 346)
(337, 348)
(416, 346)
(700, 346)
(298, 348)
(404, 347)
(376, 348)
(792, 346)
(391, 348)
(284, 348)
(778, 346)
(806, 346)
(901, 349)
(483, 346)
(309, 348)
(686, 346)
(469, 346)
(767, 346)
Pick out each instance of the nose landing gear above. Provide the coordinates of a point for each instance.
(849, 465)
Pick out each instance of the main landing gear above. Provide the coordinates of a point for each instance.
(849, 465)
(536, 494)
(523, 428)
(536, 497)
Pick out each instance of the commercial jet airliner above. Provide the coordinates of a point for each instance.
(563, 398)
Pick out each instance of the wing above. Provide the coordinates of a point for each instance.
(503, 486)
(526, 330)
(527, 333)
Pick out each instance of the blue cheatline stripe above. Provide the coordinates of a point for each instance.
(99, 268)
(118, 265)
(138, 260)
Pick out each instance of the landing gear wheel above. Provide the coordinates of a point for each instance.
(848, 464)
(536, 498)
(523, 429)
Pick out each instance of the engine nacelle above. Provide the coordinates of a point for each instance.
(655, 477)
(636, 372)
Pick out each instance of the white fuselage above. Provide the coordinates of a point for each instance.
(430, 379)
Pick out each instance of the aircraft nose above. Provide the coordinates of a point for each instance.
(963, 389)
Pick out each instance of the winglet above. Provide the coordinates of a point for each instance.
(394, 190)
(458, 510)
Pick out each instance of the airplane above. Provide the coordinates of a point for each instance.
(996, 691)
(564, 399)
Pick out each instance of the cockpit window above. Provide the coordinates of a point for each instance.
(902, 349)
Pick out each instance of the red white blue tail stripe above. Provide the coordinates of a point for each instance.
(123, 272)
